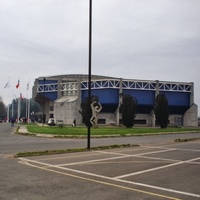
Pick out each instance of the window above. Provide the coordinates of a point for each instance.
(140, 121)
(101, 121)
(51, 108)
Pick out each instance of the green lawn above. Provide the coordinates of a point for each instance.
(101, 131)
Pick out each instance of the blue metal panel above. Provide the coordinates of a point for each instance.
(177, 98)
(109, 108)
(144, 97)
(179, 102)
(84, 94)
(144, 109)
(178, 109)
(109, 98)
(106, 96)
(46, 91)
(51, 95)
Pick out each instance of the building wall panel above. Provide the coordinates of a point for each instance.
(144, 97)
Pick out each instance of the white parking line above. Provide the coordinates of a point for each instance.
(28, 162)
(148, 170)
(113, 158)
(92, 153)
(92, 161)
(154, 158)
(156, 168)
(99, 182)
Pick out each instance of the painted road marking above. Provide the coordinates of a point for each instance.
(157, 168)
(112, 158)
(91, 161)
(92, 153)
(26, 161)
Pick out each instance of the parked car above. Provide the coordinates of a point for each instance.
(51, 122)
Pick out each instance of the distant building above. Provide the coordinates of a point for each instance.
(61, 97)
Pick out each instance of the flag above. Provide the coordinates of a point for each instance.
(27, 86)
(7, 85)
(21, 97)
(18, 84)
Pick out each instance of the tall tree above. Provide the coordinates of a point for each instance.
(161, 110)
(128, 109)
(13, 107)
(2, 109)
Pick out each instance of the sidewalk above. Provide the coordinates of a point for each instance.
(23, 130)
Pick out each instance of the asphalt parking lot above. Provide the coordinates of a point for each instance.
(170, 171)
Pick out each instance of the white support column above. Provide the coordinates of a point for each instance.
(192, 94)
(119, 104)
(153, 117)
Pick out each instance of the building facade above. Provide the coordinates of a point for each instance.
(61, 97)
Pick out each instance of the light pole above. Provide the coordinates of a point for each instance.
(89, 66)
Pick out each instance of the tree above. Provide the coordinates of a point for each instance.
(13, 108)
(2, 109)
(128, 109)
(161, 110)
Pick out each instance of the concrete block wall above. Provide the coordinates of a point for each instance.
(144, 117)
(109, 117)
(190, 117)
(66, 112)
(175, 120)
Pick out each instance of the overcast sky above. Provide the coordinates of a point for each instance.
(134, 39)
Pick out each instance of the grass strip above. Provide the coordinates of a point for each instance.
(52, 152)
(103, 131)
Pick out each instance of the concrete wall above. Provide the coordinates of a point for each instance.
(66, 111)
(109, 117)
(190, 117)
(144, 117)
(175, 120)
(47, 110)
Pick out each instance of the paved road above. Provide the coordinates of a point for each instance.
(11, 143)
(35, 182)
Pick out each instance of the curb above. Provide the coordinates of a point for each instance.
(23, 131)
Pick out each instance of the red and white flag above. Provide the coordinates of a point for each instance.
(17, 86)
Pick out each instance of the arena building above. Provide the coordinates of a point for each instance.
(61, 97)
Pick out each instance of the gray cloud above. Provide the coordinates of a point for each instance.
(146, 39)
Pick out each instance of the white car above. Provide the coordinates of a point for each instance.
(51, 122)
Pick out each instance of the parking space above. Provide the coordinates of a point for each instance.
(152, 172)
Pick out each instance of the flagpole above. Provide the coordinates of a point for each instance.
(19, 109)
(8, 112)
(29, 109)
(12, 108)
(27, 103)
